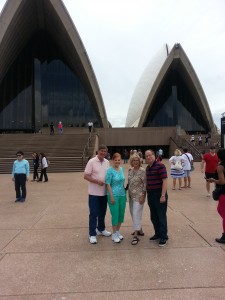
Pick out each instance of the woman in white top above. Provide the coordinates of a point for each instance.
(176, 171)
(44, 166)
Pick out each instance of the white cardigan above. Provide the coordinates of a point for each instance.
(44, 163)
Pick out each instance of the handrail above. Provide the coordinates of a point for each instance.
(86, 148)
(183, 143)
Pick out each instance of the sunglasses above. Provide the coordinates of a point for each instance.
(18, 155)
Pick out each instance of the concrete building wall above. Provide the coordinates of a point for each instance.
(136, 136)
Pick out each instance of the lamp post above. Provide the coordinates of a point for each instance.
(223, 130)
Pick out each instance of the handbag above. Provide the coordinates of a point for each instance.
(217, 192)
(191, 163)
(178, 165)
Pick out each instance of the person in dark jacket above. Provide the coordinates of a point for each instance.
(36, 165)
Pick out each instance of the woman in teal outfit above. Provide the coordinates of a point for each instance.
(116, 196)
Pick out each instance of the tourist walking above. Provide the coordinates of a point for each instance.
(137, 194)
(209, 165)
(44, 167)
(60, 128)
(220, 184)
(125, 156)
(156, 186)
(35, 157)
(160, 153)
(206, 141)
(95, 173)
(200, 140)
(192, 140)
(116, 196)
(140, 155)
(52, 128)
(187, 159)
(90, 126)
(176, 170)
(20, 174)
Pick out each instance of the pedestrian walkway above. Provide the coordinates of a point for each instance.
(45, 251)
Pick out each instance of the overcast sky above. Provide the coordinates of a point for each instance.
(122, 36)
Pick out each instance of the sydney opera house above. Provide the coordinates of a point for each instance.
(169, 94)
(46, 76)
(45, 72)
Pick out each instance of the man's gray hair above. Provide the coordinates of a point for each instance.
(104, 147)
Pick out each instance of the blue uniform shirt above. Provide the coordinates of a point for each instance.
(21, 167)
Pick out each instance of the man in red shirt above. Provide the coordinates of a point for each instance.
(209, 164)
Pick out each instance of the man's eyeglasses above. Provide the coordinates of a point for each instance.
(18, 155)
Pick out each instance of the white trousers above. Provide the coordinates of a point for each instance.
(136, 210)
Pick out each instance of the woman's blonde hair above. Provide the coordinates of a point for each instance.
(133, 157)
(177, 152)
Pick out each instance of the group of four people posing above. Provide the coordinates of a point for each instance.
(106, 185)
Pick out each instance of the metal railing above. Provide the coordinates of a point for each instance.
(181, 142)
(86, 149)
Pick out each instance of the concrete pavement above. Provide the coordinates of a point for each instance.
(45, 251)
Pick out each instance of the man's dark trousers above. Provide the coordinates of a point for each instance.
(97, 207)
(20, 182)
(158, 213)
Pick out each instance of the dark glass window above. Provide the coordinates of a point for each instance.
(174, 105)
(41, 88)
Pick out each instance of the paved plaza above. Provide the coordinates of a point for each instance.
(45, 252)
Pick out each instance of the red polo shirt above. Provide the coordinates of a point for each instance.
(211, 162)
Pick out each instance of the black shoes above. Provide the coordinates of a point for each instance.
(221, 240)
(20, 200)
(154, 237)
(162, 242)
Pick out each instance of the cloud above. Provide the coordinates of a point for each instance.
(121, 38)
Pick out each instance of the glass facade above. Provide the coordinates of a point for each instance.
(41, 88)
(174, 105)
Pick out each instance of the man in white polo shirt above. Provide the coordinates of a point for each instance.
(94, 173)
(187, 162)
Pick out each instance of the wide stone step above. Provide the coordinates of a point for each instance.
(57, 164)
(64, 152)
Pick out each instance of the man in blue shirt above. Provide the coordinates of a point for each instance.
(20, 174)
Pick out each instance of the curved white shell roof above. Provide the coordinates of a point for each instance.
(144, 94)
(144, 87)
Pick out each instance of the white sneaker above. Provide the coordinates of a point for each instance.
(208, 195)
(119, 235)
(104, 232)
(115, 238)
(93, 239)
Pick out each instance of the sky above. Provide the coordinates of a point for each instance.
(122, 36)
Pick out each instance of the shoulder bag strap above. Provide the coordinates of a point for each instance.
(188, 158)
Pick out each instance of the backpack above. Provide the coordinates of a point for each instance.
(178, 165)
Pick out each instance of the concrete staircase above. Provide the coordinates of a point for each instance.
(63, 151)
(196, 150)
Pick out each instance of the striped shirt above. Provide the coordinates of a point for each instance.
(154, 176)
